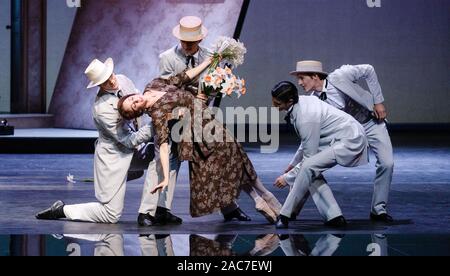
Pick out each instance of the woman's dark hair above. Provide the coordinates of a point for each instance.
(128, 114)
(285, 91)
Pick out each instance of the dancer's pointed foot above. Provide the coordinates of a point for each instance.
(273, 203)
(263, 208)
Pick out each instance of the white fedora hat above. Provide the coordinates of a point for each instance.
(99, 72)
(190, 29)
(309, 66)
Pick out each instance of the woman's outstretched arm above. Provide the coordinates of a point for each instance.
(164, 157)
(194, 72)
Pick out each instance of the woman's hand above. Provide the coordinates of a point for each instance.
(161, 186)
(202, 96)
(208, 60)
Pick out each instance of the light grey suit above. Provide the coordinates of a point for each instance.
(113, 154)
(329, 137)
(173, 61)
(344, 80)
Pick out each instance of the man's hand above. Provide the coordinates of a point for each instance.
(280, 182)
(380, 112)
(289, 168)
(161, 186)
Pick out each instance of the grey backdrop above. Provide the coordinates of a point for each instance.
(59, 24)
(133, 33)
(408, 42)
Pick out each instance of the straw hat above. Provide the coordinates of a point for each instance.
(99, 72)
(309, 66)
(190, 29)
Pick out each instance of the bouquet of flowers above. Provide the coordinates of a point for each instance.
(222, 80)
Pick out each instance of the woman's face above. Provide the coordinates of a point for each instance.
(134, 103)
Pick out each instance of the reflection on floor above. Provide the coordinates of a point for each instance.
(225, 245)
(419, 201)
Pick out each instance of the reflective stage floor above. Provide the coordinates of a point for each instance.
(225, 245)
(419, 203)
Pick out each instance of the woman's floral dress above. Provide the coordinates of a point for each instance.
(217, 169)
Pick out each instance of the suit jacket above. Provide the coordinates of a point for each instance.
(319, 125)
(345, 79)
(173, 61)
(116, 142)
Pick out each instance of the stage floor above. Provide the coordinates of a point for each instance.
(419, 203)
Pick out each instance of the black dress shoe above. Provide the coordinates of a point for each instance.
(337, 222)
(166, 217)
(147, 220)
(293, 218)
(282, 222)
(381, 218)
(55, 212)
(236, 214)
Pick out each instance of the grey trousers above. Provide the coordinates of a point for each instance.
(380, 144)
(152, 246)
(306, 177)
(322, 196)
(111, 211)
(379, 246)
(150, 202)
(326, 246)
(105, 244)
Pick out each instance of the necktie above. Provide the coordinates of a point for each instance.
(323, 96)
(190, 60)
(288, 118)
(119, 94)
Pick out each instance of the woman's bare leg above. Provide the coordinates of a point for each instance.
(271, 200)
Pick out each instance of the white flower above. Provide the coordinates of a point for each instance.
(224, 81)
(70, 179)
(232, 51)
